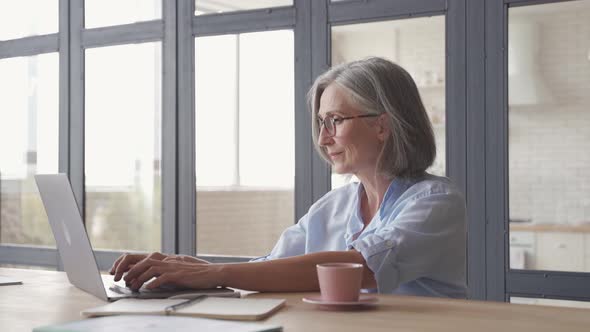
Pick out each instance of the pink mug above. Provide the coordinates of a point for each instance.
(340, 282)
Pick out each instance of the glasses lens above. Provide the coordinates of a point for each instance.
(329, 123)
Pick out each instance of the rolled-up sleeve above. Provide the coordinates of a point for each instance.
(290, 243)
(425, 239)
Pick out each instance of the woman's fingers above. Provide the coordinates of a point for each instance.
(125, 262)
(181, 277)
(116, 263)
(173, 270)
(197, 276)
(164, 279)
(140, 268)
(159, 268)
(152, 271)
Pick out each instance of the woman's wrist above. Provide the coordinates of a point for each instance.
(223, 272)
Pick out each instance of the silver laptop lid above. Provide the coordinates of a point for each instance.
(70, 236)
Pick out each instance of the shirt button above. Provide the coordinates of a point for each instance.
(389, 243)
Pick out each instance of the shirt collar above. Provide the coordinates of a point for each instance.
(396, 188)
(355, 222)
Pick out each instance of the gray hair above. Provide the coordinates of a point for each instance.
(379, 86)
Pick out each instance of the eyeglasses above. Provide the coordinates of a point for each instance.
(331, 121)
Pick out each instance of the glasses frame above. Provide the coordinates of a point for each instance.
(332, 120)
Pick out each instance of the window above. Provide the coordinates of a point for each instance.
(244, 141)
(99, 13)
(222, 6)
(122, 146)
(26, 18)
(28, 145)
(418, 45)
(246, 191)
(549, 126)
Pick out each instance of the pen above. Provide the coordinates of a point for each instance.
(172, 308)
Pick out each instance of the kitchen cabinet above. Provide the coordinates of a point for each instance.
(560, 251)
(550, 247)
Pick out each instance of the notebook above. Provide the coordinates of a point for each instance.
(6, 281)
(204, 306)
(157, 323)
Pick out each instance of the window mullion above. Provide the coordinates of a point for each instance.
(76, 94)
(303, 79)
(169, 129)
(186, 233)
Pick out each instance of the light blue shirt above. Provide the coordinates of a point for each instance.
(415, 244)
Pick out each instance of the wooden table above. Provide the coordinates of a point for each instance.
(47, 298)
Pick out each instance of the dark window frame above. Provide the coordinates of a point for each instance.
(476, 41)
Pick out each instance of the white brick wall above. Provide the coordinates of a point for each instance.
(245, 222)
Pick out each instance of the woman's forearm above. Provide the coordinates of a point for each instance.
(293, 274)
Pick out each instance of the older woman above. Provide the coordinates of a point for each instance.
(405, 226)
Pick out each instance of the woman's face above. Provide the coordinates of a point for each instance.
(356, 144)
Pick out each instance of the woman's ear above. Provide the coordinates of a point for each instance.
(383, 127)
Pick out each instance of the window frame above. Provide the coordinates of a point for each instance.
(476, 119)
(504, 282)
(256, 20)
(177, 29)
(311, 21)
(459, 85)
(30, 46)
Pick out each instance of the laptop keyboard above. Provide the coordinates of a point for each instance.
(122, 290)
(128, 291)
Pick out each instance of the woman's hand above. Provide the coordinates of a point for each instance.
(173, 272)
(127, 261)
(185, 259)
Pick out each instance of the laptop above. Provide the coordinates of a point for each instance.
(76, 252)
